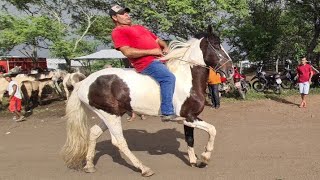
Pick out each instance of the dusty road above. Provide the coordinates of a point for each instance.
(266, 139)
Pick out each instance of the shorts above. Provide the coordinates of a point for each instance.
(15, 104)
(304, 88)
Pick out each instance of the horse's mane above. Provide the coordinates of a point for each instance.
(184, 52)
(177, 49)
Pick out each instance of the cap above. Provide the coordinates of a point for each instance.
(116, 9)
(304, 59)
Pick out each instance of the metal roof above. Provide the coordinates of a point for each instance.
(103, 54)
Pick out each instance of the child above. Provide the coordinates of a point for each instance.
(14, 98)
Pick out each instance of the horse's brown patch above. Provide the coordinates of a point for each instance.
(194, 104)
(111, 94)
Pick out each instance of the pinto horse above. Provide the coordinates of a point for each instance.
(112, 92)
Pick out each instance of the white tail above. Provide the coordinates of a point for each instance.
(75, 148)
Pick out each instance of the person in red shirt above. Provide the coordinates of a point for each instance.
(143, 49)
(304, 73)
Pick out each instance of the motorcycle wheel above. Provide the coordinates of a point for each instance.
(286, 84)
(277, 90)
(258, 86)
(242, 94)
(248, 85)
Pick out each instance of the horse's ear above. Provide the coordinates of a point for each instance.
(210, 30)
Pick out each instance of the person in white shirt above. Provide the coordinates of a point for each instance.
(15, 98)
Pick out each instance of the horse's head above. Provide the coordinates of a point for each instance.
(58, 75)
(214, 55)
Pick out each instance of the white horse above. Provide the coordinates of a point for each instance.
(112, 92)
(29, 84)
(70, 80)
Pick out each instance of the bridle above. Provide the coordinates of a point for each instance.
(220, 56)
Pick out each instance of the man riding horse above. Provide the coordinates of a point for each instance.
(143, 48)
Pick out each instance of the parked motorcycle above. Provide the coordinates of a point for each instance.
(240, 83)
(288, 77)
(315, 80)
(263, 82)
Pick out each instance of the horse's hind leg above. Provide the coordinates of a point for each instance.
(211, 130)
(115, 128)
(95, 133)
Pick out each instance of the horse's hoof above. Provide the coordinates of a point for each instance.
(193, 164)
(148, 173)
(90, 170)
(202, 165)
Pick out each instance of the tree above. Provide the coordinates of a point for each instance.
(306, 15)
(72, 19)
(31, 32)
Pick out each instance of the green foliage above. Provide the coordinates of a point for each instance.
(184, 18)
(252, 95)
(101, 29)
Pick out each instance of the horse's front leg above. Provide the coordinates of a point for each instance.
(189, 138)
(211, 130)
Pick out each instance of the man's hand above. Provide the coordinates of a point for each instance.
(156, 52)
(165, 51)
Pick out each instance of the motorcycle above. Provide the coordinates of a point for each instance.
(288, 77)
(240, 83)
(315, 80)
(263, 82)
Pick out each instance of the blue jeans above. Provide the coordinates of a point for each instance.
(214, 91)
(166, 80)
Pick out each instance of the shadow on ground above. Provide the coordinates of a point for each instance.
(162, 142)
(281, 100)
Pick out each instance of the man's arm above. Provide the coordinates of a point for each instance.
(14, 87)
(311, 74)
(136, 53)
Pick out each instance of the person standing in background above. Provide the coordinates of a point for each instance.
(304, 73)
(213, 85)
(15, 98)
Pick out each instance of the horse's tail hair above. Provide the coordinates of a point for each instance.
(75, 148)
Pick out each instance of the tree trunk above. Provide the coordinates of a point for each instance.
(68, 62)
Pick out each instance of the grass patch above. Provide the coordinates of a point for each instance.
(253, 95)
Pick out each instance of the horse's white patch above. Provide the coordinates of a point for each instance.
(144, 91)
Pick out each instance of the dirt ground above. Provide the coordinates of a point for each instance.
(265, 139)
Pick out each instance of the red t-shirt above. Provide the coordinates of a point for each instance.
(138, 37)
(304, 73)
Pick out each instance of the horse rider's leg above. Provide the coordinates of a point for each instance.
(211, 130)
(188, 133)
(95, 133)
(132, 116)
(115, 128)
